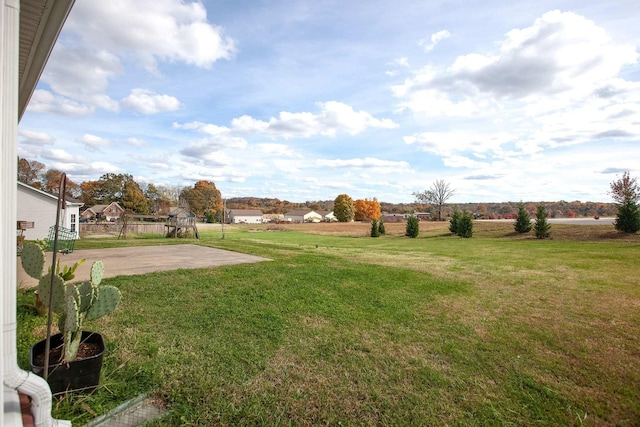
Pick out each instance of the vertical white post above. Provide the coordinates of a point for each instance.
(13, 377)
(9, 20)
(1, 236)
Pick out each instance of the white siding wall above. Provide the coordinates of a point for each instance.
(41, 210)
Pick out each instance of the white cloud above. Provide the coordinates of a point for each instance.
(43, 101)
(207, 128)
(93, 142)
(277, 150)
(366, 163)
(60, 155)
(137, 142)
(82, 75)
(210, 150)
(447, 144)
(550, 85)
(152, 30)
(434, 40)
(207, 155)
(148, 102)
(249, 124)
(337, 185)
(36, 138)
(79, 171)
(458, 161)
(334, 118)
(402, 61)
(100, 36)
(560, 52)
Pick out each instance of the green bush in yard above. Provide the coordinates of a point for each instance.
(628, 218)
(413, 226)
(523, 220)
(455, 220)
(375, 228)
(465, 225)
(542, 226)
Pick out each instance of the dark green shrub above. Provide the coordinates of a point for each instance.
(381, 229)
(375, 228)
(465, 225)
(413, 226)
(542, 226)
(454, 221)
(628, 217)
(523, 220)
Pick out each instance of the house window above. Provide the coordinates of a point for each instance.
(73, 222)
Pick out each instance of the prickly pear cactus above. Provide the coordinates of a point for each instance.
(73, 303)
(32, 258)
(58, 290)
(97, 272)
(72, 318)
(107, 300)
(86, 294)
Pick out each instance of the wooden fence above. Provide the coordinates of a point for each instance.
(115, 228)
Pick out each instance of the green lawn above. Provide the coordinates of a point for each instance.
(438, 330)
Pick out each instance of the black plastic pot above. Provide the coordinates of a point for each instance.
(77, 376)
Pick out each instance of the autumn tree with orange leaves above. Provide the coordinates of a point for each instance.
(203, 198)
(367, 210)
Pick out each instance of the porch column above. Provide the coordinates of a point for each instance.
(9, 42)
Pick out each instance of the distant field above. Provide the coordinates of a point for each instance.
(491, 228)
(341, 328)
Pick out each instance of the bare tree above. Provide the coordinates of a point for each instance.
(30, 172)
(437, 195)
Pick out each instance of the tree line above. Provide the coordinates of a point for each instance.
(205, 200)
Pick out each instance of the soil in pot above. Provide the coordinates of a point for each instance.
(85, 351)
(82, 374)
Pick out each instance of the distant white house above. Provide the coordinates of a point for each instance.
(40, 208)
(327, 216)
(302, 215)
(244, 216)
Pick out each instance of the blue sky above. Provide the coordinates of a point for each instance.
(305, 100)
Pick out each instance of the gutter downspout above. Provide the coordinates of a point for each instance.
(12, 376)
(28, 383)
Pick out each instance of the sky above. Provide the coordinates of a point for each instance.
(304, 100)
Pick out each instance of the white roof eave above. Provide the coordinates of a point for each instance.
(40, 25)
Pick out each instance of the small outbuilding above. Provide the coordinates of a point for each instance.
(39, 209)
